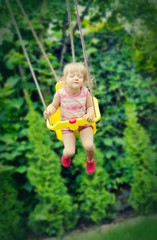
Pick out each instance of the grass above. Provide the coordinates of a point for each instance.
(134, 229)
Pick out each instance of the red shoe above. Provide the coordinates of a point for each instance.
(90, 166)
(66, 161)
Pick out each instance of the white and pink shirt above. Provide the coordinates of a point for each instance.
(73, 106)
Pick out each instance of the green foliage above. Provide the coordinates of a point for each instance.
(121, 50)
(118, 81)
(10, 208)
(140, 155)
(90, 192)
(54, 211)
(128, 229)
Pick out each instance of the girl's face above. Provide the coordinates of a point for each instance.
(74, 80)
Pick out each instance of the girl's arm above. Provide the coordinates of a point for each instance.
(52, 108)
(90, 110)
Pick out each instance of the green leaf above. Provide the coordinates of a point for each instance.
(12, 81)
(4, 168)
(91, 50)
(114, 85)
(16, 103)
(110, 154)
(5, 35)
(118, 140)
(108, 141)
(21, 169)
(28, 186)
(7, 138)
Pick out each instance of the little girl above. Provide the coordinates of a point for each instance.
(75, 102)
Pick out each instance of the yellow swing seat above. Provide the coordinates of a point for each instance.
(55, 123)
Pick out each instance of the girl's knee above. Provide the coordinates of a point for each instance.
(89, 147)
(69, 152)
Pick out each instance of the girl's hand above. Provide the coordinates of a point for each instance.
(89, 118)
(47, 114)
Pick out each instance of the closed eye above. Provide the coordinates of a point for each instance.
(71, 76)
(78, 75)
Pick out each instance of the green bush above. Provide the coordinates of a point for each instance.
(54, 211)
(11, 227)
(140, 155)
(89, 191)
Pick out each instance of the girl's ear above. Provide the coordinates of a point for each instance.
(84, 80)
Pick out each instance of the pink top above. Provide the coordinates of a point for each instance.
(73, 106)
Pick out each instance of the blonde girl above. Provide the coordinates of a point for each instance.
(75, 102)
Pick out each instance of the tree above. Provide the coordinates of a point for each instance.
(54, 211)
(11, 222)
(140, 155)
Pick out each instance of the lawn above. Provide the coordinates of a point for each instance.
(134, 229)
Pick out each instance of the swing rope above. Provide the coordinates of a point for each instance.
(42, 49)
(84, 53)
(59, 124)
(25, 53)
(71, 30)
(37, 39)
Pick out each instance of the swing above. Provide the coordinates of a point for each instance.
(54, 123)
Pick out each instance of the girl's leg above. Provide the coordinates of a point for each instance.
(86, 136)
(69, 141)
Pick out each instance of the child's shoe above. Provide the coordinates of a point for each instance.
(90, 166)
(66, 161)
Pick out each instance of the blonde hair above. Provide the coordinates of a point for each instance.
(75, 67)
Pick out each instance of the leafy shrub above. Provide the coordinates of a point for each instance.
(139, 154)
(89, 191)
(54, 211)
(10, 209)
